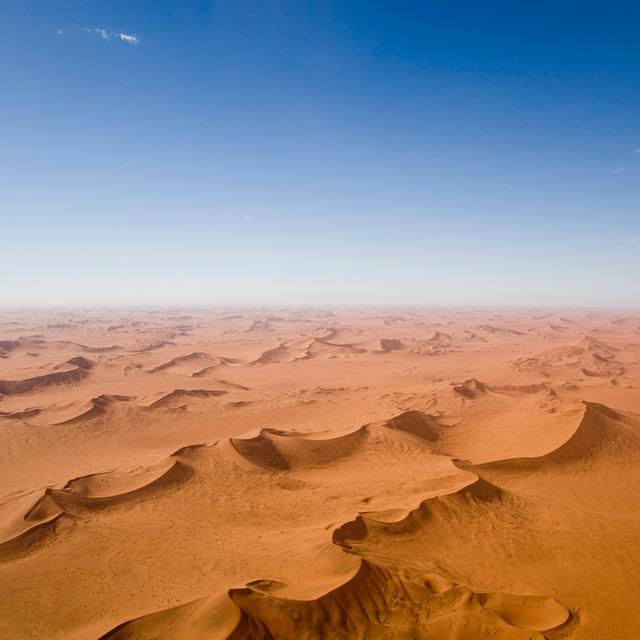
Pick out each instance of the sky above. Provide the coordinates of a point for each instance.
(323, 152)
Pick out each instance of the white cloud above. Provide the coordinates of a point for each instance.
(115, 35)
(620, 170)
(636, 152)
(247, 217)
(126, 37)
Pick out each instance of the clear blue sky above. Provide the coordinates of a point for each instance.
(433, 152)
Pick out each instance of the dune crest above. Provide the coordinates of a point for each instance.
(70, 376)
(32, 522)
(375, 603)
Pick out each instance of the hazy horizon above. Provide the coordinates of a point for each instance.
(275, 306)
(330, 153)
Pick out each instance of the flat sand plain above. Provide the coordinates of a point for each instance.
(182, 474)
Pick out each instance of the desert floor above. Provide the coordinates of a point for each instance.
(179, 474)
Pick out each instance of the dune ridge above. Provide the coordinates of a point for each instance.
(179, 395)
(15, 387)
(33, 522)
(378, 601)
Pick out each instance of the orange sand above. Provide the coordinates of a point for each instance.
(443, 474)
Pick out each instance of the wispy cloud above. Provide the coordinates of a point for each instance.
(636, 151)
(620, 170)
(126, 37)
(634, 238)
(107, 35)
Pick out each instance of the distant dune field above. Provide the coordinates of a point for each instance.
(440, 474)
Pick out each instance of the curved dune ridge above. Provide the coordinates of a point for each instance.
(602, 433)
(417, 423)
(211, 369)
(100, 349)
(492, 329)
(281, 353)
(106, 489)
(181, 397)
(474, 388)
(38, 343)
(375, 603)
(380, 601)
(81, 368)
(32, 518)
(80, 412)
(193, 363)
(337, 341)
(94, 408)
(479, 492)
(26, 520)
(70, 413)
(145, 346)
(281, 450)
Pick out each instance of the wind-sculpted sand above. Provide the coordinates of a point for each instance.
(437, 474)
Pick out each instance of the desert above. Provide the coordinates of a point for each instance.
(446, 473)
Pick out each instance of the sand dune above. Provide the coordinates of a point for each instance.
(604, 437)
(180, 397)
(440, 337)
(473, 388)
(329, 345)
(193, 364)
(99, 349)
(419, 424)
(491, 329)
(428, 474)
(7, 346)
(145, 346)
(64, 377)
(101, 490)
(25, 521)
(29, 519)
(68, 413)
(95, 407)
(391, 344)
(374, 603)
(592, 357)
(281, 353)
(283, 450)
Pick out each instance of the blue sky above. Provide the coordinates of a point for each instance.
(328, 152)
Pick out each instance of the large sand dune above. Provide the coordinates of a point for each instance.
(296, 473)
